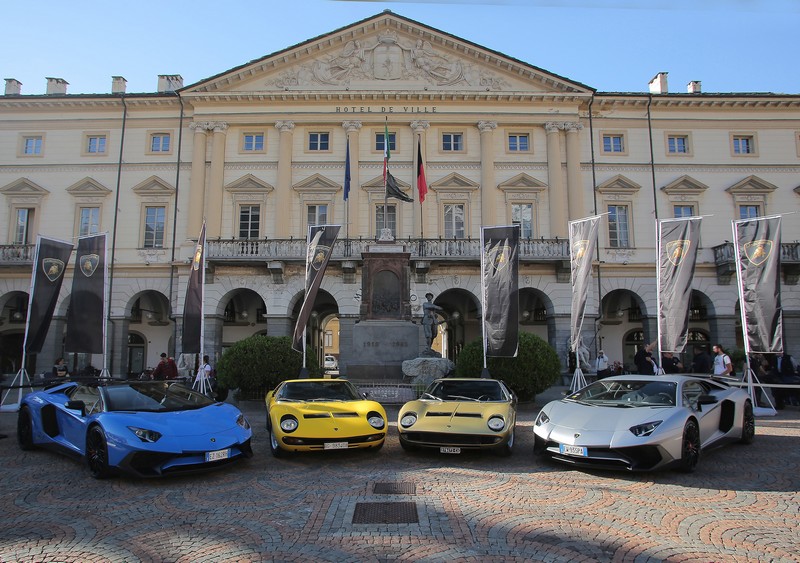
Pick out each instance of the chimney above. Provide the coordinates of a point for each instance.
(694, 87)
(658, 85)
(118, 85)
(13, 87)
(56, 85)
(169, 82)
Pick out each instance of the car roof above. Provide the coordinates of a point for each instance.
(674, 378)
(318, 380)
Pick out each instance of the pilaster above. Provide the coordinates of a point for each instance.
(577, 207)
(214, 189)
(419, 127)
(197, 185)
(353, 199)
(283, 190)
(556, 193)
(488, 212)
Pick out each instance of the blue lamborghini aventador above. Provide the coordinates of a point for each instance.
(145, 428)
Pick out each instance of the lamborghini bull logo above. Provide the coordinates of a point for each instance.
(198, 257)
(319, 256)
(758, 251)
(88, 264)
(498, 257)
(579, 248)
(52, 268)
(677, 250)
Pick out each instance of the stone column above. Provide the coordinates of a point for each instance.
(283, 191)
(488, 212)
(346, 352)
(216, 181)
(556, 193)
(278, 325)
(418, 127)
(197, 186)
(577, 207)
(353, 203)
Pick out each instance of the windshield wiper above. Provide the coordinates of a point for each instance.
(462, 397)
(434, 397)
(580, 402)
(289, 400)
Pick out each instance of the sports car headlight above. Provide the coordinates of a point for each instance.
(242, 421)
(496, 423)
(542, 419)
(145, 435)
(646, 429)
(376, 420)
(289, 423)
(408, 420)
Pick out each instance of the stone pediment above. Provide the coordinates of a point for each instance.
(88, 187)
(248, 184)
(685, 185)
(750, 186)
(317, 183)
(387, 52)
(376, 184)
(454, 181)
(619, 184)
(153, 186)
(522, 183)
(24, 187)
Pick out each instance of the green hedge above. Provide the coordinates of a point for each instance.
(262, 361)
(535, 368)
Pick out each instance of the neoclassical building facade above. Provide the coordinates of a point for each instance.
(259, 152)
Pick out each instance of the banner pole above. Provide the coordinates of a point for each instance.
(105, 373)
(304, 369)
(659, 368)
(485, 371)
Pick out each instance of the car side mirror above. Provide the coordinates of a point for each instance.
(77, 406)
(706, 400)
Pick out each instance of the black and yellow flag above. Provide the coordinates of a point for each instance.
(85, 319)
(52, 257)
(320, 245)
(500, 268)
(191, 341)
(678, 241)
(758, 264)
(582, 248)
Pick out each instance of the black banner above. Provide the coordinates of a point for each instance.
(52, 257)
(678, 241)
(393, 190)
(500, 267)
(85, 320)
(320, 245)
(758, 258)
(582, 248)
(193, 304)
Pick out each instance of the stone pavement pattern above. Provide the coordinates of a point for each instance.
(742, 504)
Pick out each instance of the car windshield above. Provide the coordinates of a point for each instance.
(471, 390)
(627, 393)
(154, 396)
(318, 391)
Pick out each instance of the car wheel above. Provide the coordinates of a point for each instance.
(690, 448)
(274, 447)
(25, 429)
(748, 424)
(97, 453)
(508, 448)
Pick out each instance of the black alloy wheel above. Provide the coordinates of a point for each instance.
(690, 449)
(97, 453)
(748, 424)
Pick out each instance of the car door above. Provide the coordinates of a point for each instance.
(72, 423)
(708, 416)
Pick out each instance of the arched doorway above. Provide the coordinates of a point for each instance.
(622, 326)
(325, 308)
(536, 313)
(461, 321)
(245, 314)
(137, 352)
(13, 315)
(150, 320)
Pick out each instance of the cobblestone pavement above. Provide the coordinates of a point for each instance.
(742, 504)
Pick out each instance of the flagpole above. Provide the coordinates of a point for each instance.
(659, 367)
(386, 153)
(485, 372)
(304, 369)
(201, 377)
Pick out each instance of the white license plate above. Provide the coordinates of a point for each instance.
(450, 450)
(573, 450)
(217, 455)
(334, 446)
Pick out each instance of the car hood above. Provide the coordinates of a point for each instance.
(452, 409)
(361, 407)
(197, 422)
(575, 416)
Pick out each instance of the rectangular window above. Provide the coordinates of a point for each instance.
(319, 141)
(391, 218)
(96, 144)
(32, 146)
(613, 143)
(678, 144)
(681, 211)
(23, 226)
(618, 228)
(317, 215)
(452, 142)
(749, 211)
(253, 142)
(379, 142)
(90, 221)
(519, 143)
(159, 142)
(154, 227)
(249, 221)
(522, 215)
(454, 216)
(744, 144)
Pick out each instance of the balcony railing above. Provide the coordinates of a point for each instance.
(295, 249)
(14, 254)
(790, 253)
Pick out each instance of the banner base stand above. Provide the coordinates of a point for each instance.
(764, 411)
(578, 381)
(753, 382)
(20, 382)
(201, 383)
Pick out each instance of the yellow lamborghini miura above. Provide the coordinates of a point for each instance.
(460, 414)
(322, 414)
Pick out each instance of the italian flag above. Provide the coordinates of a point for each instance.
(386, 152)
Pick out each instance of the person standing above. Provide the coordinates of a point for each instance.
(722, 362)
(601, 365)
(162, 368)
(643, 359)
(670, 363)
(701, 363)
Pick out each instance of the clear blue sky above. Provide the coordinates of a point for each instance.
(611, 45)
